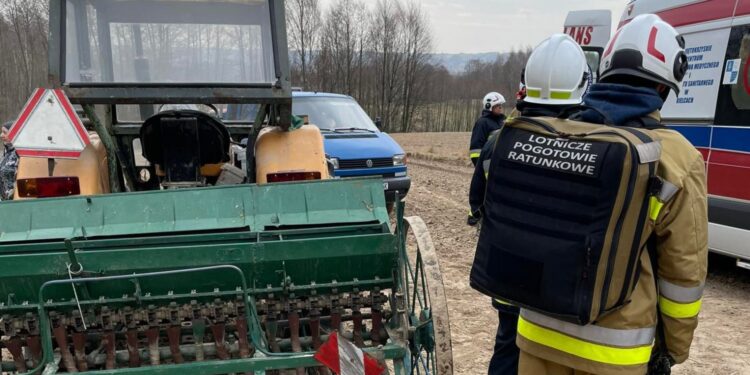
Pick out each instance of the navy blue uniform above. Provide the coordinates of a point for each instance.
(485, 125)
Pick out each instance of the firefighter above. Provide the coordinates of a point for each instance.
(8, 165)
(492, 119)
(642, 63)
(563, 49)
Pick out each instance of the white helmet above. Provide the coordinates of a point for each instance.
(492, 99)
(648, 48)
(556, 72)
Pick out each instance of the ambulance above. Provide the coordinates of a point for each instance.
(713, 108)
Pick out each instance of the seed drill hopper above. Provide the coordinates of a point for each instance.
(170, 269)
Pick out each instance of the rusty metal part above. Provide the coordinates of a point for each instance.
(108, 341)
(134, 357)
(15, 347)
(336, 320)
(219, 334)
(61, 337)
(358, 328)
(241, 325)
(293, 318)
(79, 349)
(152, 334)
(35, 348)
(271, 333)
(244, 344)
(315, 329)
(377, 327)
(173, 334)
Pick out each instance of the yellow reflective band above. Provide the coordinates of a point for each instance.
(474, 155)
(533, 93)
(486, 175)
(562, 95)
(654, 208)
(502, 302)
(583, 349)
(679, 310)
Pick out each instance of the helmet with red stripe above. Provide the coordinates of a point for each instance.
(649, 49)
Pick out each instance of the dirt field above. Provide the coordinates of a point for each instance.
(441, 175)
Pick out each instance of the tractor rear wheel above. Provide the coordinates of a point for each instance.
(430, 336)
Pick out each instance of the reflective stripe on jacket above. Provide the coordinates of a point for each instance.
(621, 341)
(479, 179)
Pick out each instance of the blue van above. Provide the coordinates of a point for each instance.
(354, 145)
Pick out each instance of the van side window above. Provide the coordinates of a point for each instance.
(733, 105)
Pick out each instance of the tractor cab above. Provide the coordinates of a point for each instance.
(155, 79)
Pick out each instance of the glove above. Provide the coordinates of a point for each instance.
(660, 364)
(474, 218)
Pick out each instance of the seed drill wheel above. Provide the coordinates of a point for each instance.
(430, 335)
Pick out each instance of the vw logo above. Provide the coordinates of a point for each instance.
(369, 163)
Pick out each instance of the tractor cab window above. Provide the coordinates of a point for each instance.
(147, 41)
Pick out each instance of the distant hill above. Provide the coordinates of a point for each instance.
(456, 62)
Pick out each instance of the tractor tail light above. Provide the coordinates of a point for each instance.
(48, 187)
(292, 176)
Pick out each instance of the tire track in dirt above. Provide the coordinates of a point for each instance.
(442, 167)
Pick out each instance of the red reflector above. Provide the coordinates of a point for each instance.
(48, 187)
(292, 176)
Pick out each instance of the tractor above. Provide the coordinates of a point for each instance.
(178, 242)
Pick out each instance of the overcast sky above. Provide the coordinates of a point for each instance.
(473, 26)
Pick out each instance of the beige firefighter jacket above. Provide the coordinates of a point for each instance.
(621, 342)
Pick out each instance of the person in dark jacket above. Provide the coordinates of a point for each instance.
(541, 80)
(492, 119)
(8, 165)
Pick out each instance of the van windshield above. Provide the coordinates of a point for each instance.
(333, 114)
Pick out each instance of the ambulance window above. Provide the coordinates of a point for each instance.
(739, 83)
(593, 59)
(733, 104)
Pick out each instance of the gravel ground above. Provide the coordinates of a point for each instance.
(440, 182)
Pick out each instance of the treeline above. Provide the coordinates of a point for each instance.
(379, 52)
(23, 53)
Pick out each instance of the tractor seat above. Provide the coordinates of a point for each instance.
(182, 143)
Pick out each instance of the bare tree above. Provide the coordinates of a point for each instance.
(303, 23)
(418, 44)
(23, 42)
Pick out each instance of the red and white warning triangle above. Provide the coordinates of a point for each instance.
(344, 358)
(49, 127)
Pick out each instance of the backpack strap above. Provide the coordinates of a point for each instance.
(645, 122)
